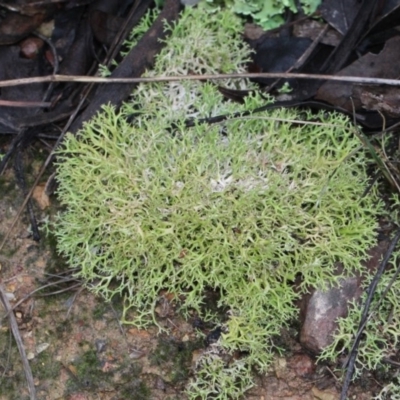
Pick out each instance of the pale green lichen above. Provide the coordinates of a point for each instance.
(390, 391)
(219, 379)
(243, 207)
(140, 29)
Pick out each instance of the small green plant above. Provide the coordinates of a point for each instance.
(174, 358)
(269, 14)
(88, 373)
(44, 367)
(242, 207)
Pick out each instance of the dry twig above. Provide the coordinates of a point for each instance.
(20, 345)
(284, 75)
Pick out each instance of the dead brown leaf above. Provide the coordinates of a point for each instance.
(40, 196)
(371, 65)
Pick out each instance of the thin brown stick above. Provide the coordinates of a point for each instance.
(5, 368)
(276, 75)
(391, 362)
(20, 345)
(25, 104)
(304, 57)
(29, 295)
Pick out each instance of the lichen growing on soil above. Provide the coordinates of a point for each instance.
(242, 207)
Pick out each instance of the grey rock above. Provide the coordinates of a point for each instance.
(323, 310)
(320, 310)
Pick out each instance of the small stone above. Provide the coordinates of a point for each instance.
(136, 354)
(160, 384)
(10, 296)
(30, 47)
(100, 345)
(324, 394)
(323, 310)
(185, 338)
(42, 347)
(280, 367)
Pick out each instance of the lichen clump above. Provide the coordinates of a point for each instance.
(243, 207)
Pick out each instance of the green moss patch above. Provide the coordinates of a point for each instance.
(174, 358)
